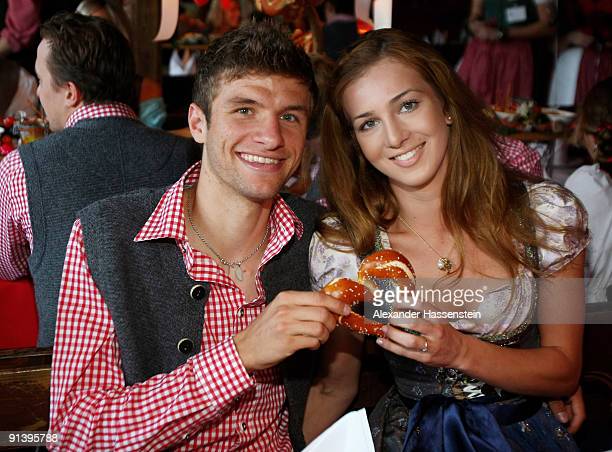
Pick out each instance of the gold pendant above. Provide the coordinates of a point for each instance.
(445, 265)
(238, 273)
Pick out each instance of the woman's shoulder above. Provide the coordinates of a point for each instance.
(329, 238)
(331, 259)
(547, 189)
(552, 198)
(564, 228)
(333, 222)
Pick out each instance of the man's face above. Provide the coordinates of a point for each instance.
(255, 136)
(52, 97)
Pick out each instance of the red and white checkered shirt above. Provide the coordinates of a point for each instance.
(209, 402)
(15, 224)
(517, 155)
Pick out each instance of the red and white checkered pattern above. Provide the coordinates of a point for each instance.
(95, 110)
(15, 225)
(517, 155)
(209, 402)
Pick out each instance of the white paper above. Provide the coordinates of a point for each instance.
(351, 433)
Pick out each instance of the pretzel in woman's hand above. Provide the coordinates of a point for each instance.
(385, 265)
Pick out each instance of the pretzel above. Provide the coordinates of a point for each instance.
(381, 265)
(385, 264)
(352, 293)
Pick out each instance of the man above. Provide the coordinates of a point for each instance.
(164, 339)
(86, 76)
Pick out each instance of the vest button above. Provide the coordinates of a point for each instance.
(197, 292)
(185, 346)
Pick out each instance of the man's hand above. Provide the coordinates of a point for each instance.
(572, 414)
(293, 321)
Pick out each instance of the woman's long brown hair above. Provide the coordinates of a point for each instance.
(480, 197)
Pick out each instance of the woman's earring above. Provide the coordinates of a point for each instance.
(449, 120)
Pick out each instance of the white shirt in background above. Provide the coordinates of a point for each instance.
(594, 188)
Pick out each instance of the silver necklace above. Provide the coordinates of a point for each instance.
(235, 265)
(444, 263)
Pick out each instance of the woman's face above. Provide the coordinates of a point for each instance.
(400, 125)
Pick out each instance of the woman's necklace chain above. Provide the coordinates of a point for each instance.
(235, 266)
(444, 263)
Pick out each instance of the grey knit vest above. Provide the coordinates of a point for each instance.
(70, 169)
(157, 318)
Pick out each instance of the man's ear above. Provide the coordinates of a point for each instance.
(73, 97)
(197, 123)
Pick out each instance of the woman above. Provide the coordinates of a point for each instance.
(593, 186)
(410, 164)
(587, 27)
(498, 62)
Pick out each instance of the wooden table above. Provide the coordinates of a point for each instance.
(24, 389)
(541, 137)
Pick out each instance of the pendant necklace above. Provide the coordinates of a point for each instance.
(444, 263)
(234, 266)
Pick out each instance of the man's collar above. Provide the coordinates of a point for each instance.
(95, 110)
(166, 221)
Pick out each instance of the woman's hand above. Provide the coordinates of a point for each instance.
(483, 31)
(572, 413)
(438, 345)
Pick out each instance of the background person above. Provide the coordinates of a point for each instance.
(19, 23)
(86, 76)
(586, 26)
(592, 184)
(498, 62)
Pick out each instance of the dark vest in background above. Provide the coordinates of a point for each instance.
(148, 292)
(68, 170)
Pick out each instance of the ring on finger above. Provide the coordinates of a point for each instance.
(425, 347)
